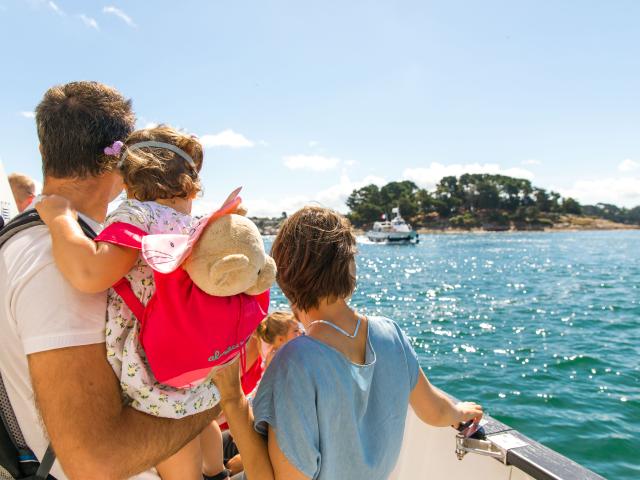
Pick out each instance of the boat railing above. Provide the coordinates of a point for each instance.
(439, 453)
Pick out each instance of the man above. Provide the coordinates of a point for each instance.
(52, 343)
(24, 190)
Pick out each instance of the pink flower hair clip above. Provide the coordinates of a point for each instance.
(115, 149)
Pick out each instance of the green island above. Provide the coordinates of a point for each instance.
(476, 202)
(484, 202)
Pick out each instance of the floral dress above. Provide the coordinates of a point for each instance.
(124, 352)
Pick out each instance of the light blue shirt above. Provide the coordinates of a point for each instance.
(335, 419)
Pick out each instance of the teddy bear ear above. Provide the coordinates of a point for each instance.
(266, 278)
(241, 210)
(219, 271)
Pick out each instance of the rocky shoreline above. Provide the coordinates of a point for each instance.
(567, 223)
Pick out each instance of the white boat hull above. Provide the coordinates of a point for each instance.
(393, 237)
(429, 453)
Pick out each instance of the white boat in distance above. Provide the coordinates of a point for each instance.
(396, 231)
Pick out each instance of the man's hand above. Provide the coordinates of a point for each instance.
(93, 434)
(51, 207)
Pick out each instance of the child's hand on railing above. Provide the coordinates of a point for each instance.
(467, 412)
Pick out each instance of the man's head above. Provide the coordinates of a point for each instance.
(23, 188)
(76, 122)
(315, 255)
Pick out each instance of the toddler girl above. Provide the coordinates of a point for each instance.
(161, 180)
(277, 329)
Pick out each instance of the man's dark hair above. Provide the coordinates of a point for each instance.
(75, 122)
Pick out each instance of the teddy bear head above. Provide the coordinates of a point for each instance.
(229, 258)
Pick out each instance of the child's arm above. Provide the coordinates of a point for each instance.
(89, 266)
(435, 408)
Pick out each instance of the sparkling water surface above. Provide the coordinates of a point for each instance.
(543, 329)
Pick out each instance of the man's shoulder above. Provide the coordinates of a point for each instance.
(30, 247)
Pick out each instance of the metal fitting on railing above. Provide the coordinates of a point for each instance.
(481, 447)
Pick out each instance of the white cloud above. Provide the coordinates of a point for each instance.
(331, 197)
(317, 163)
(628, 165)
(336, 196)
(120, 14)
(226, 138)
(257, 207)
(261, 207)
(621, 191)
(27, 114)
(150, 125)
(89, 21)
(531, 161)
(53, 6)
(428, 177)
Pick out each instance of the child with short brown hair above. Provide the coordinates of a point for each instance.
(333, 403)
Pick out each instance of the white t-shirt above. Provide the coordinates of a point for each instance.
(41, 311)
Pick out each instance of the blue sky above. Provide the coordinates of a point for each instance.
(304, 101)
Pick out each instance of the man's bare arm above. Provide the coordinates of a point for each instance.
(93, 435)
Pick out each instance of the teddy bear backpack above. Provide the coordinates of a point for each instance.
(202, 314)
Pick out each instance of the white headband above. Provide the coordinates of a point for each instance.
(178, 151)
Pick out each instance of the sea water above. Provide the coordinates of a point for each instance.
(543, 329)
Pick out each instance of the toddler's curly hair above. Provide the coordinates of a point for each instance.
(150, 173)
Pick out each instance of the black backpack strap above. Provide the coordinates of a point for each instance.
(27, 219)
(45, 464)
(31, 218)
(27, 462)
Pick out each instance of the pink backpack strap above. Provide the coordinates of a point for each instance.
(123, 288)
(125, 235)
